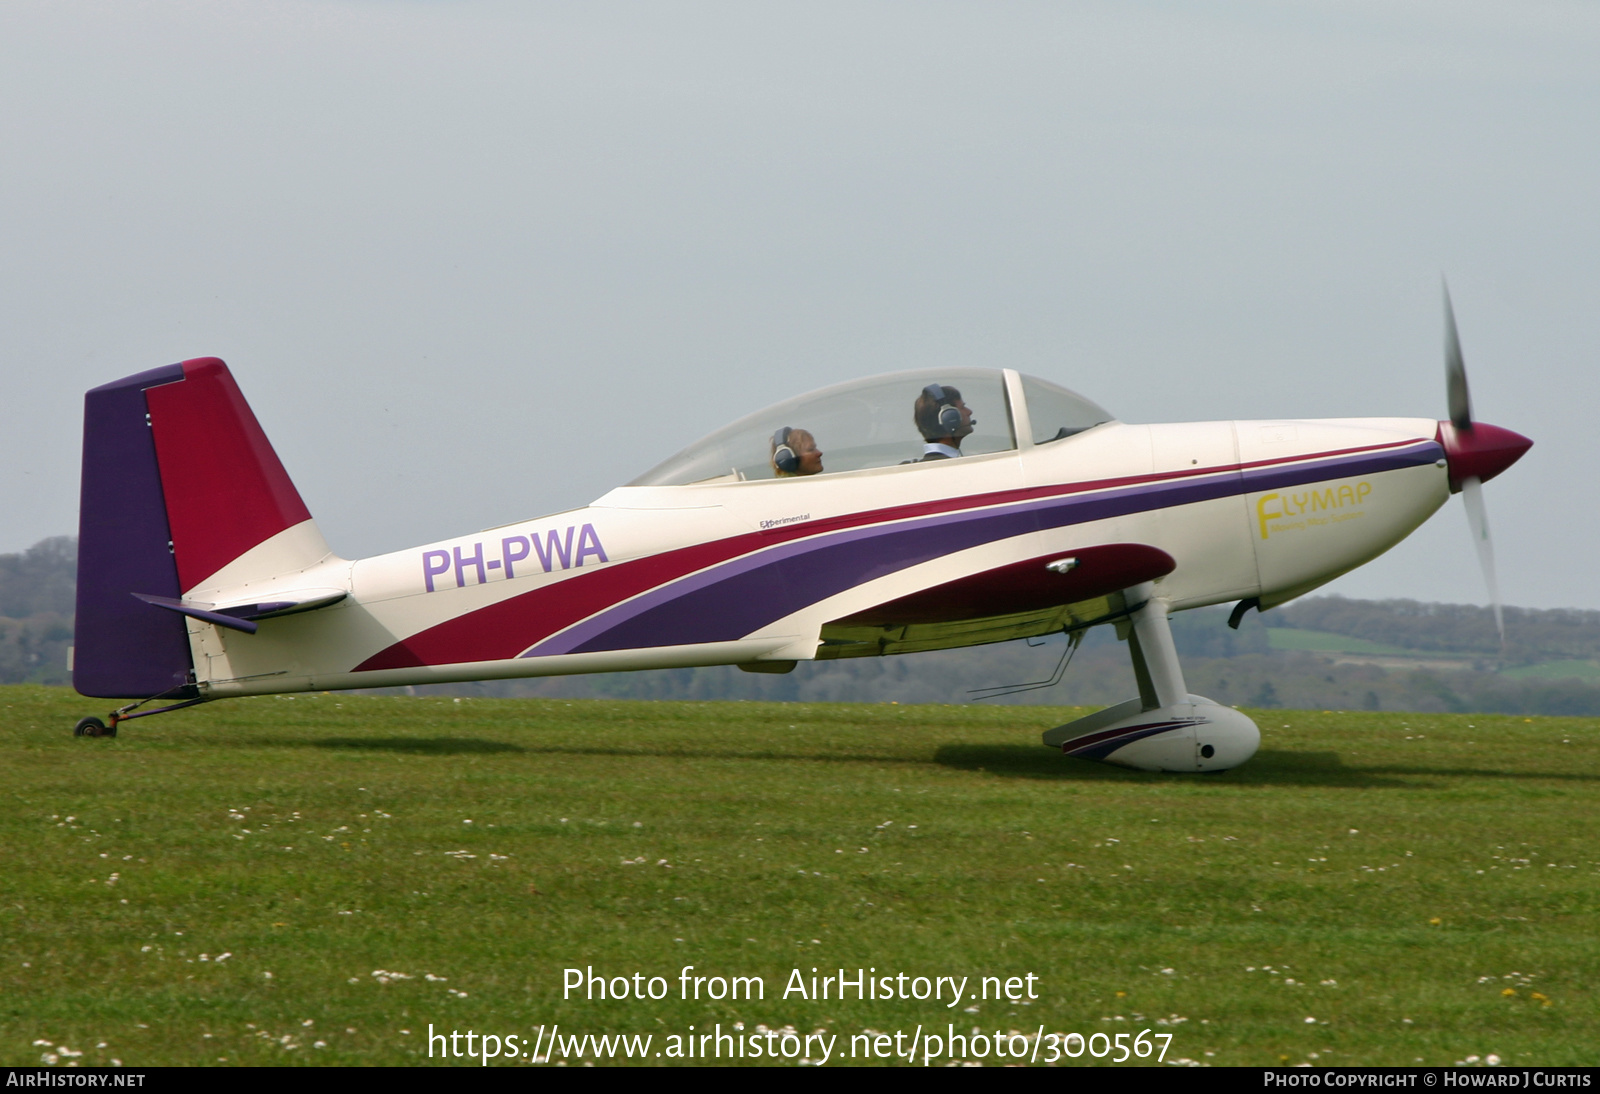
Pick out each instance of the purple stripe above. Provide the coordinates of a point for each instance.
(765, 573)
(727, 602)
(1098, 736)
(1123, 737)
(1364, 463)
(125, 649)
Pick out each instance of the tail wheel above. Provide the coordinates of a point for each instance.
(93, 727)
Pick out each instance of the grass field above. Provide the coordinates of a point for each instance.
(1371, 888)
(1556, 670)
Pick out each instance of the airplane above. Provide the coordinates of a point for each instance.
(889, 515)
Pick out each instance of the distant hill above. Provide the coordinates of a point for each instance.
(1322, 652)
(1532, 635)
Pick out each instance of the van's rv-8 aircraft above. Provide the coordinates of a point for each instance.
(202, 576)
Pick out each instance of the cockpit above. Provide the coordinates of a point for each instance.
(884, 421)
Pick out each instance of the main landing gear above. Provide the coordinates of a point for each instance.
(1166, 728)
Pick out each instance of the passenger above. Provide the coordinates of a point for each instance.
(795, 453)
(943, 420)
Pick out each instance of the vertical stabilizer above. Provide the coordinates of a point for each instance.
(181, 491)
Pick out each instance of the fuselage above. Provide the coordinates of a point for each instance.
(745, 572)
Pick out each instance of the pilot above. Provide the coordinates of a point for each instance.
(943, 420)
(795, 453)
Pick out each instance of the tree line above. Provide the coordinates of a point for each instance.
(37, 587)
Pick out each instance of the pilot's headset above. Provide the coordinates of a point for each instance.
(949, 417)
(783, 456)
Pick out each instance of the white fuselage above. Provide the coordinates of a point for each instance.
(733, 572)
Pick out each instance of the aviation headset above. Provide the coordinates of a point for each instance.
(949, 417)
(783, 456)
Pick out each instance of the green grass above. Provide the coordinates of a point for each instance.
(1424, 864)
(1291, 638)
(1556, 670)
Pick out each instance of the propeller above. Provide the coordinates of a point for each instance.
(1478, 521)
(1455, 370)
(1475, 453)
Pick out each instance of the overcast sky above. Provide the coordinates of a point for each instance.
(473, 262)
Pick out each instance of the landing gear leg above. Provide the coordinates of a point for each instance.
(1166, 728)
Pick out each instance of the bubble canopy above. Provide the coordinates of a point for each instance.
(872, 423)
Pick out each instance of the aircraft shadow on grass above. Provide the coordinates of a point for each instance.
(1483, 773)
(455, 746)
(1271, 767)
(1016, 761)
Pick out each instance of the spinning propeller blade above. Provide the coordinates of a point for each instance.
(1460, 399)
(1455, 370)
(1478, 520)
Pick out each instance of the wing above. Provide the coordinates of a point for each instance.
(1067, 590)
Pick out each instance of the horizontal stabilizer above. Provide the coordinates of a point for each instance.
(242, 617)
